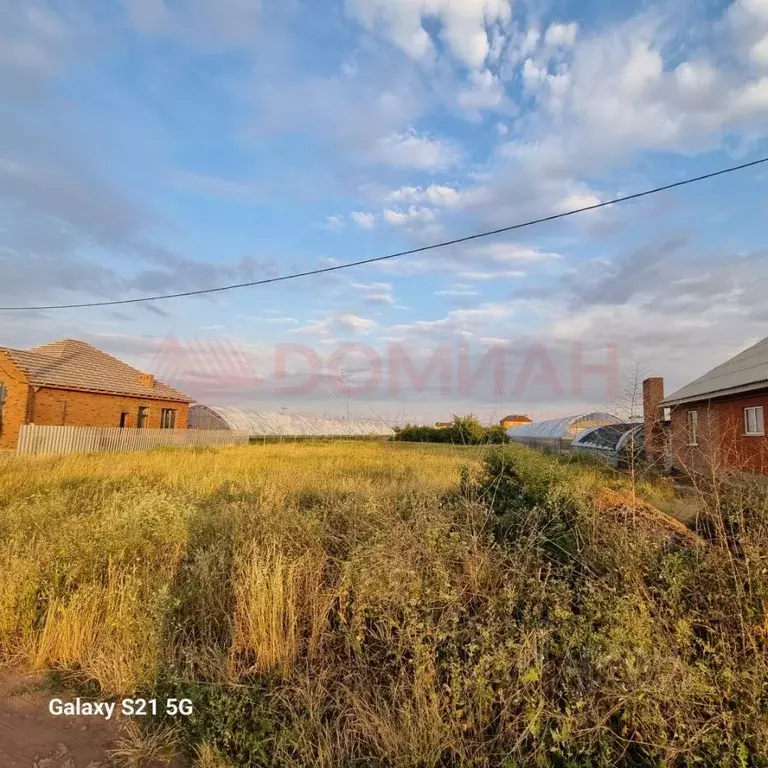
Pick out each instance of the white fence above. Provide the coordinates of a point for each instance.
(40, 440)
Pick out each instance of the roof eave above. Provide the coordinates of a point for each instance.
(179, 398)
(715, 394)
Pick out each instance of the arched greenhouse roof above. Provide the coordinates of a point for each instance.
(566, 428)
(610, 438)
(272, 424)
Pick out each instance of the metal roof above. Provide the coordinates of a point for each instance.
(268, 423)
(745, 372)
(567, 427)
(607, 437)
(76, 365)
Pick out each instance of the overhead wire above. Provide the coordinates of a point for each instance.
(398, 254)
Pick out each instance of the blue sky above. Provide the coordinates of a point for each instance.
(153, 146)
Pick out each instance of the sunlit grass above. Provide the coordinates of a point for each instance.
(391, 604)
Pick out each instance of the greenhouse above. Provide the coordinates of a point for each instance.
(558, 434)
(268, 424)
(616, 444)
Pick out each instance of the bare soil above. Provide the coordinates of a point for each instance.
(33, 738)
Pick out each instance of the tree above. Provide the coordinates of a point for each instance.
(467, 430)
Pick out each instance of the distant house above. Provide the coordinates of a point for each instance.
(443, 424)
(715, 422)
(74, 384)
(515, 420)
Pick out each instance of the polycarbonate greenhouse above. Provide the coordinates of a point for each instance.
(269, 424)
(616, 444)
(558, 434)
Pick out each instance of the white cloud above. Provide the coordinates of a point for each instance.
(558, 35)
(460, 322)
(410, 150)
(380, 298)
(463, 25)
(364, 220)
(356, 324)
(523, 46)
(534, 76)
(372, 286)
(335, 222)
(616, 92)
(508, 253)
(435, 194)
(759, 52)
(496, 275)
(335, 325)
(576, 201)
(313, 328)
(458, 290)
(485, 92)
(623, 96)
(414, 215)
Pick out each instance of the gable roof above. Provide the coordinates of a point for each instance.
(75, 365)
(518, 417)
(745, 372)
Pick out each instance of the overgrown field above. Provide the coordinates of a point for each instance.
(385, 604)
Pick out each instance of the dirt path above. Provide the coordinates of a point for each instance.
(30, 736)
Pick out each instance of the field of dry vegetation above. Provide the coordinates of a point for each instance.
(386, 604)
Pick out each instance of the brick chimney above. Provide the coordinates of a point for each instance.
(653, 394)
(146, 380)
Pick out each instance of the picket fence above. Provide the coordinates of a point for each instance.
(36, 439)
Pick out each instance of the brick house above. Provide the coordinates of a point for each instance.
(515, 420)
(72, 383)
(717, 421)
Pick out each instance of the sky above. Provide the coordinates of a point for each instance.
(161, 146)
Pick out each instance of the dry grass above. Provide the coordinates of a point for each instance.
(371, 603)
(138, 747)
(279, 600)
(208, 756)
(91, 548)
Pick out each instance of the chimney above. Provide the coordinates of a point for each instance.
(653, 394)
(146, 380)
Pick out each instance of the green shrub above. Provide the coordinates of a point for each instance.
(464, 430)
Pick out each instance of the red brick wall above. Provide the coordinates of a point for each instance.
(15, 410)
(653, 394)
(722, 442)
(64, 407)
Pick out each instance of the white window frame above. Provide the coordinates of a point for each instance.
(758, 421)
(692, 428)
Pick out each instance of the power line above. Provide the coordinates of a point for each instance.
(411, 252)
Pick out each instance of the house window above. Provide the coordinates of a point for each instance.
(693, 427)
(168, 419)
(753, 421)
(3, 396)
(123, 420)
(141, 421)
